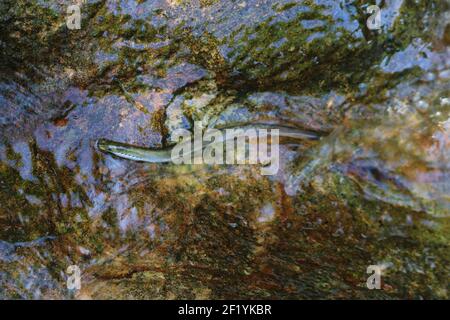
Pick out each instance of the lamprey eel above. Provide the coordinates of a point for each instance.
(135, 153)
(153, 155)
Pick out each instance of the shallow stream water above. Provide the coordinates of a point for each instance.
(375, 190)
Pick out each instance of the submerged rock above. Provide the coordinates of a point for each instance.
(374, 190)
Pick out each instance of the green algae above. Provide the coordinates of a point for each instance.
(199, 235)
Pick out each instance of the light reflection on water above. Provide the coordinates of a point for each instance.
(160, 231)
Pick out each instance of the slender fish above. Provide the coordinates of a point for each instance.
(153, 155)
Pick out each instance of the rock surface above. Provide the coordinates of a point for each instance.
(374, 190)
